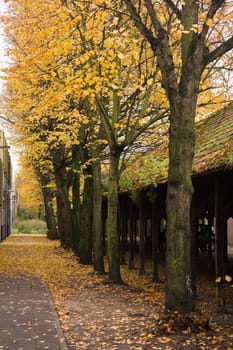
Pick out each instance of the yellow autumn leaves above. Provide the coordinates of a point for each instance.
(226, 278)
(66, 55)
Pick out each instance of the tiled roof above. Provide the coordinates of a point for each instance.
(214, 147)
(214, 141)
(214, 144)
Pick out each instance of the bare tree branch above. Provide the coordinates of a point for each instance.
(148, 35)
(7, 120)
(174, 8)
(219, 51)
(214, 7)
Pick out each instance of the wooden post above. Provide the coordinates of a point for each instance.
(132, 232)
(194, 248)
(219, 240)
(155, 240)
(142, 235)
(219, 229)
(124, 234)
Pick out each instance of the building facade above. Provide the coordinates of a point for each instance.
(6, 193)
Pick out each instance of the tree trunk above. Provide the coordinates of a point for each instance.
(98, 244)
(76, 196)
(113, 243)
(179, 293)
(85, 239)
(64, 214)
(48, 192)
(48, 196)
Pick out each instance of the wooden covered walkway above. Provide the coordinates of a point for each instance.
(143, 223)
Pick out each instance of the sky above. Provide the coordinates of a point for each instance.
(3, 63)
(3, 59)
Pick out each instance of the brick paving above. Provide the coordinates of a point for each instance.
(28, 319)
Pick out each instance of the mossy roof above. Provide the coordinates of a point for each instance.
(213, 150)
(214, 141)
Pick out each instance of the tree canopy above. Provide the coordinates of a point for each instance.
(100, 80)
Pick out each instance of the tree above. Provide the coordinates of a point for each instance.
(48, 191)
(199, 33)
(46, 180)
(44, 117)
(103, 69)
(118, 82)
(29, 190)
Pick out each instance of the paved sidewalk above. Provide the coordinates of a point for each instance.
(28, 320)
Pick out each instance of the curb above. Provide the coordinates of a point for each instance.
(61, 337)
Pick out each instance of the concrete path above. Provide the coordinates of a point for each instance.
(28, 319)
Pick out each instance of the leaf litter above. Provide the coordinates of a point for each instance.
(99, 316)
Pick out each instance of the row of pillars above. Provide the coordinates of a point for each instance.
(129, 212)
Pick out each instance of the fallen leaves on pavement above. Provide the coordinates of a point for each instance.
(98, 316)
